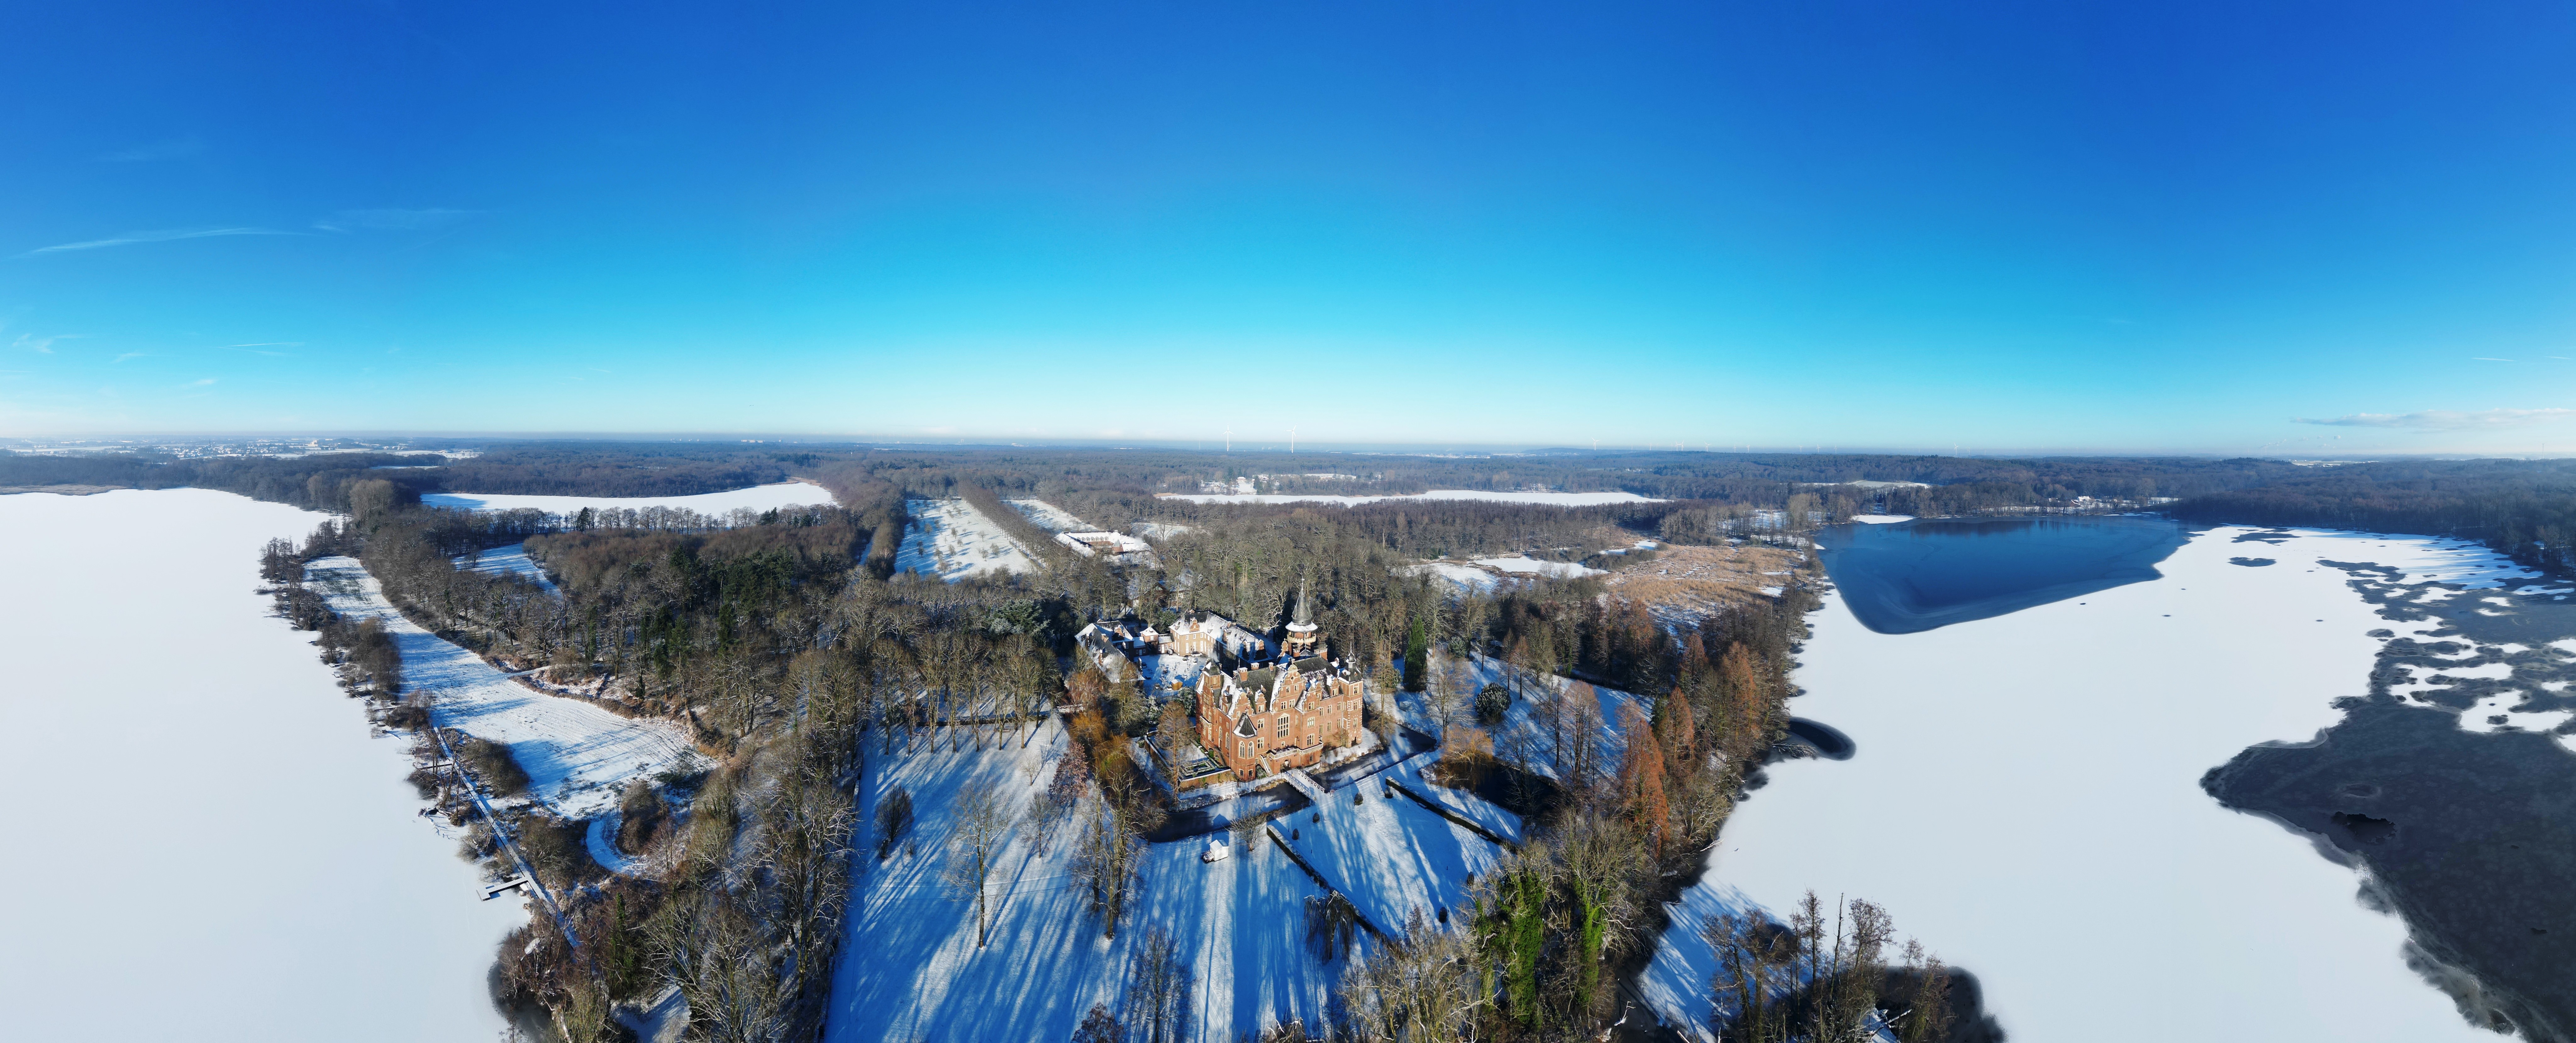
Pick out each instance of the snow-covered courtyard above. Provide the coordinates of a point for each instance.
(952, 540)
(207, 841)
(2025, 799)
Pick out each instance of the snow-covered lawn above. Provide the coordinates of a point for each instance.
(1551, 499)
(952, 540)
(2025, 799)
(578, 756)
(1545, 707)
(207, 841)
(758, 498)
(1050, 517)
(512, 560)
(1457, 802)
(1390, 856)
(910, 970)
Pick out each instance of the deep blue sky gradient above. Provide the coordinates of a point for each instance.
(1995, 226)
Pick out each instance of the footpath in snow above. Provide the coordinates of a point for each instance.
(578, 756)
(2025, 800)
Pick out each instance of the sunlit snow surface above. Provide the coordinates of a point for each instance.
(758, 498)
(2026, 800)
(1551, 499)
(578, 756)
(911, 971)
(952, 540)
(205, 842)
(512, 560)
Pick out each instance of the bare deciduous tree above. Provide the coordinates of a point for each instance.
(982, 823)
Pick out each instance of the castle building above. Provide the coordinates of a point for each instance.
(1262, 720)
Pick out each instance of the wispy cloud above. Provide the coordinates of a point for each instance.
(175, 148)
(127, 355)
(201, 383)
(257, 348)
(393, 220)
(162, 236)
(41, 345)
(2445, 420)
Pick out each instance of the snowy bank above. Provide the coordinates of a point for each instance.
(578, 756)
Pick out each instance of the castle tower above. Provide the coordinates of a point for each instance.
(1301, 628)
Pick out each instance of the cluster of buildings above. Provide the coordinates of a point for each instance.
(1259, 710)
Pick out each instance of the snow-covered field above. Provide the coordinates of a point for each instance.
(1524, 565)
(952, 540)
(206, 841)
(1551, 499)
(578, 756)
(758, 498)
(1466, 578)
(911, 970)
(2026, 800)
(512, 560)
(1050, 517)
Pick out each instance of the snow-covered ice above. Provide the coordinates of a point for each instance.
(208, 842)
(578, 756)
(1551, 499)
(2025, 799)
(952, 540)
(758, 498)
(1881, 519)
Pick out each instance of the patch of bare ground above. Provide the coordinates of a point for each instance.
(1682, 585)
(60, 490)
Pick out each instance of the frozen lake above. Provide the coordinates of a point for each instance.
(205, 842)
(2026, 800)
(758, 498)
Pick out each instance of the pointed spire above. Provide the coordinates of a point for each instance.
(1305, 611)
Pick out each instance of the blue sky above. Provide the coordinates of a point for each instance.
(2000, 227)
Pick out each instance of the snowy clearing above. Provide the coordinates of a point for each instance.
(1551, 499)
(2069, 794)
(246, 859)
(952, 540)
(1543, 707)
(911, 970)
(1049, 516)
(1462, 577)
(512, 560)
(758, 498)
(1523, 565)
(578, 756)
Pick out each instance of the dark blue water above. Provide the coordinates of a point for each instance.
(1919, 575)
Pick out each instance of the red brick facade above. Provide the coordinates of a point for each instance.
(1276, 717)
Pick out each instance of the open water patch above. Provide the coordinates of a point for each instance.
(1914, 576)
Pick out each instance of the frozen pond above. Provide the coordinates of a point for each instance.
(205, 842)
(2026, 800)
(758, 498)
